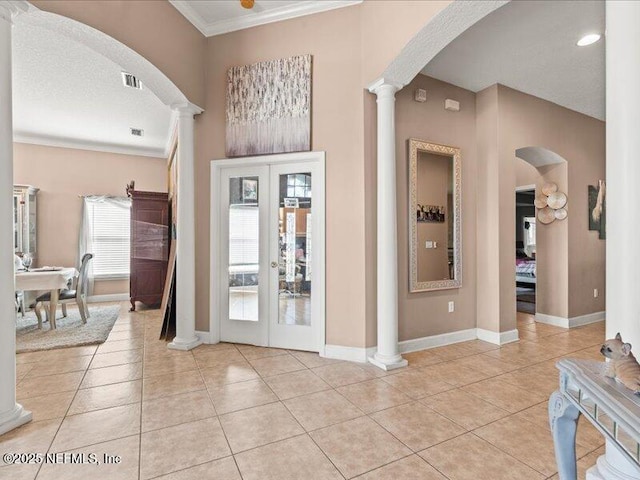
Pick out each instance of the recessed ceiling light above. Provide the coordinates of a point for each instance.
(588, 39)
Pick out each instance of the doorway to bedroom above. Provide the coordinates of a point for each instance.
(525, 235)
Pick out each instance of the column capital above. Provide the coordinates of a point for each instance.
(187, 108)
(9, 9)
(385, 85)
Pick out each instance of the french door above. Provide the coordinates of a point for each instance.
(272, 255)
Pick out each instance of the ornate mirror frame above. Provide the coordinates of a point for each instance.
(416, 146)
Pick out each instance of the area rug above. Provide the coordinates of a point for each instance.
(70, 331)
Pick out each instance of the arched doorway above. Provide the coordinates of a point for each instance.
(541, 272)
(12, 414)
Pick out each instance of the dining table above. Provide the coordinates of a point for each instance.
(52, 279)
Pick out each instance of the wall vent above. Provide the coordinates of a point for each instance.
(137, 132)
(130, 80)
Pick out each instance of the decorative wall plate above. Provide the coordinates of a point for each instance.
(546, 215)
(557, 200)
(560, 214)
(549, 187)
(540, 201)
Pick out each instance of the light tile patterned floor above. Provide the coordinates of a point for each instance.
(464, 411)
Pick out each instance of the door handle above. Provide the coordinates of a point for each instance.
(274, 264)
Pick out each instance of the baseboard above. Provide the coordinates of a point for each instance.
(356, 354)
(423, 343)
(587, 319)
(552, 320)
(349, 354)
(204, 336)
(497, 338)
(571, 322)
(114, 297)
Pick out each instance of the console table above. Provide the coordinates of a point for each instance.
(609, 406)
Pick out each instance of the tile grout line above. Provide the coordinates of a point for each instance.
(224, 433)
(67, 410)
(263, 378)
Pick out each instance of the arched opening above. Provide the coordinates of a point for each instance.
(543, 117)
(156, 81)
(540, 243)
(161, 96)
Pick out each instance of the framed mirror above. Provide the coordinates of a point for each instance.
(435, 250)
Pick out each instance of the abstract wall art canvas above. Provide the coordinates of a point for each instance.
(269, 107)
(598, 209)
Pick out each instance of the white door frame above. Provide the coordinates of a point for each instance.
(215, 242)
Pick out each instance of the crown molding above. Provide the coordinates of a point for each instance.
(88, 145)
(297, 9)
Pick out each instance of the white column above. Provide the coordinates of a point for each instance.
(387, 356)
(186, 337)
(12, 414)
(623, 193)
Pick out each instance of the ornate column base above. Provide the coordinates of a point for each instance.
(184, 343)
(386, 362)
(604, 468)
(13, 419)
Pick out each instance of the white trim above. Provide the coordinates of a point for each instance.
(571, 322)
(111, 277)
(113, 297)
(294, 10)
(205, 337)
(86, 145)
(587, 319)
(447, 25)
(360, 354)
(172, 136)
(215, 229)
(497, 338)
(128, 59)
(526, 188)
(433, 341)
(349, 354)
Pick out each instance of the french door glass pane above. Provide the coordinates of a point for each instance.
(244, 252)
(295, 248)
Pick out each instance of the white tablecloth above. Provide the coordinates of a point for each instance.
(44, 280)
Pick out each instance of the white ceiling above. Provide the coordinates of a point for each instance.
(65, 94)
(223, 16)
(531, 46)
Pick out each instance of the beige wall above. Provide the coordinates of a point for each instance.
(370, 36)
(552, 252)
(62, 174)
(154, 29)
(336, 129)
(426, 313)
(526, 174)
(572, 259)
(343, 124)
(488, 216)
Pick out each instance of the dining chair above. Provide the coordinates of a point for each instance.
(78, 296)
(20, 302)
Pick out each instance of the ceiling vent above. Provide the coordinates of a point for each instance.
(130, 80)
(137, 132)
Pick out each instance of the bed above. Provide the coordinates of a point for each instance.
(526, 271)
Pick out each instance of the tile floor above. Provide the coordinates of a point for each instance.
(464, 411)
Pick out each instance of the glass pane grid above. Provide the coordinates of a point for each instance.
(244, 248)
(294, 239)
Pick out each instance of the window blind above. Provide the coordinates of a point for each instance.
(110, 225)
(243, 235)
